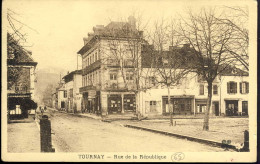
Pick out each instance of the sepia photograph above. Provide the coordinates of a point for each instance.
(129, 81)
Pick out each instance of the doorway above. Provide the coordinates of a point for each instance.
(216, 108)
(231, 107)
(114, 104)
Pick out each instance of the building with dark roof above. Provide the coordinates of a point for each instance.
(107, 67)
(69, 98)
(20, 80)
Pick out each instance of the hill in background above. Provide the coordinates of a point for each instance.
(47, 78)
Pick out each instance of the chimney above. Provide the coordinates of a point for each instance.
(132, 21)
(85, 40)
(98, 28)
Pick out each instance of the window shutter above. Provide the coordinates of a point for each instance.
(235, 87)
(247, 87)
(228, 87)
(240, 84)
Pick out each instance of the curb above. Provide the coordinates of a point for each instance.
(204, 141)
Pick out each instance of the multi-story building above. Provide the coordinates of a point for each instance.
(190, 96)
(112, 54)
(234, 92)
(21, 79)
(107, 68)
(70, 92)
(62, 96)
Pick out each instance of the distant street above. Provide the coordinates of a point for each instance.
(82, 134)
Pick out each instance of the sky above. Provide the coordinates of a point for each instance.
(60, 25)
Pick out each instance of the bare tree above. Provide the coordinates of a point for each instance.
(123, 50)
(237, 17)
(169, 69)
(16, 41)
(210, 38)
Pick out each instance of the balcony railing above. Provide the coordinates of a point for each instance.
(91, 67)
(86, 88)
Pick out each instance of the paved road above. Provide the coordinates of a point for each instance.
(82, 134)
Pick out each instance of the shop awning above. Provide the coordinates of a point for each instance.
(25, 103)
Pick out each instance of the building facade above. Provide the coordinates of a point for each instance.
(70, 99)
(111, 84)
(107, 68)
(21, 79)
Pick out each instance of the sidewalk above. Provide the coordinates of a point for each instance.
(23, 136)
(219, 129)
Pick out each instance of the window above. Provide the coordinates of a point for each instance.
(201, 108)
(94, 78)
(97, 78)
(245, 108)
(244, 87)
(129, 76)
(152, 81)
(71, 92)
(128, 62)
(65, 94)
(113, 62)
(113, 76)
(152, 102)
(90, 79)
(201, 89)
(231, 87)
(215, 89)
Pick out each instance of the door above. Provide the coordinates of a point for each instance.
(129, 103)
(244, 108)
(114, 104)
(62, 104)
(152, 106)
(216, 106)
(231, 107)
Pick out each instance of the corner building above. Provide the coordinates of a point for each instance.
(107, 68)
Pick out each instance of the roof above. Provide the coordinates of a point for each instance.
(17, 55)
(112, 30)
(173, 58)
(69, 76)
(233, 71)
(181, 57)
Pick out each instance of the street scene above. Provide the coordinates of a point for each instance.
(128, 79)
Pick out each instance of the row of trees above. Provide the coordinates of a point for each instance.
(217, 39)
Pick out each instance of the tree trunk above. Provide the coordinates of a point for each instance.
(206, 116)
(137, 107)
(169, 106)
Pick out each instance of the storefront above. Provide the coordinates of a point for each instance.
(121, 103)
(114, 103)
(201, 106)
(129, 103)
(231, 107)
(18, 107)
(182, 105)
